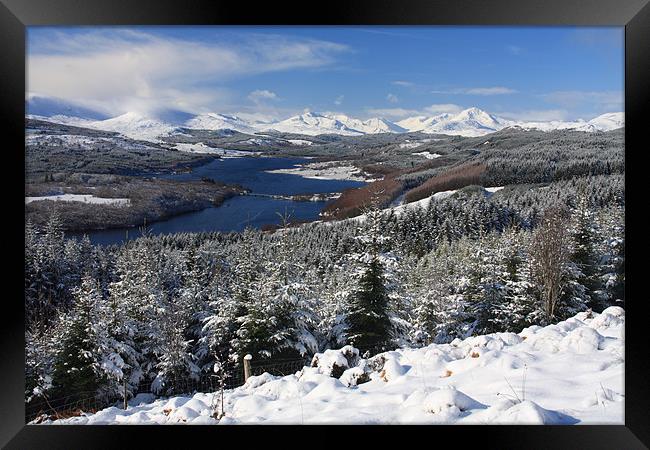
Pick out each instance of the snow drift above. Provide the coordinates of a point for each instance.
(567, 373)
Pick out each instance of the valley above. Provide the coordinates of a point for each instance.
(340, 224)
(191, 178)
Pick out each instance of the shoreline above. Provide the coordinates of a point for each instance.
(329, 170)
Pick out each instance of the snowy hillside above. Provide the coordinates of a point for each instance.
(469, 122)
(135, 126)
(212, 121)
(313, 124)
(604, 122)
(567, 373)
(370, 126)
(609, 121)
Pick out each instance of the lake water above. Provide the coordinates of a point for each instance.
(238, 212)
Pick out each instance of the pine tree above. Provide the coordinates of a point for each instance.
(518, 308)
(369, 325)
(334, 294)
(583, 256)
(289, 299)
(219, 322)
(254, 325)
(40, 351)
(174, 364)
(441, 309)
(76, 372)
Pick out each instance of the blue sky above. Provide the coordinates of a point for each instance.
(527, 73)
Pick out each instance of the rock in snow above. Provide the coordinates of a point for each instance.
(566, 373)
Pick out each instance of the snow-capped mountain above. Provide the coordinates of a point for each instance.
(311, 123)
(476, 122)
(371, 126)
(45, 106)
(136, 126)
(608, 121)
(214, 121)
(469, 122)
(152, 126)
(604, 122)
(419, 123)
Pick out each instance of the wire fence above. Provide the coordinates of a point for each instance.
(43, 408)
(279, 367)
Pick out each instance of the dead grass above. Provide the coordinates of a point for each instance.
(454, 178)
(352, 202)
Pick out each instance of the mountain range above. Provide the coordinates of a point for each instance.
(469, 122)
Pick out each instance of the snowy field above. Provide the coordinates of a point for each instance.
(567, 373)
(429, 155)
(424, 203)
(82, 141)
(299, 142)
(414, 144)
(202, 148)
(85, 198)
(325, 171)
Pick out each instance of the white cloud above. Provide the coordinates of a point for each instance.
(401, 113)
(392, 98)
(514, 50)
(118, 70)
(498, 90)
(339, 100)
(403, 83)
(443, 108)
(598, 100)
(537, 115)
(260, 95)
(392, 113)
(495, 90)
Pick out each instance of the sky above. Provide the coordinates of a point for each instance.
(273, 72)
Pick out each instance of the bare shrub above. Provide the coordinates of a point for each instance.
(550, 252)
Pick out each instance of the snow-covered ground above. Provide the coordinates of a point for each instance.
(424, 203)
(567, 373)
(202, 148)
(429, 155)
(85, 198)
(325, 171)
(84, 141)
(299, 142)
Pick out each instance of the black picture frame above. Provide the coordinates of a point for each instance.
(15, 15)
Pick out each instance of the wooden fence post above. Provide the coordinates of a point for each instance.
(125, 392)
(247, 367)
